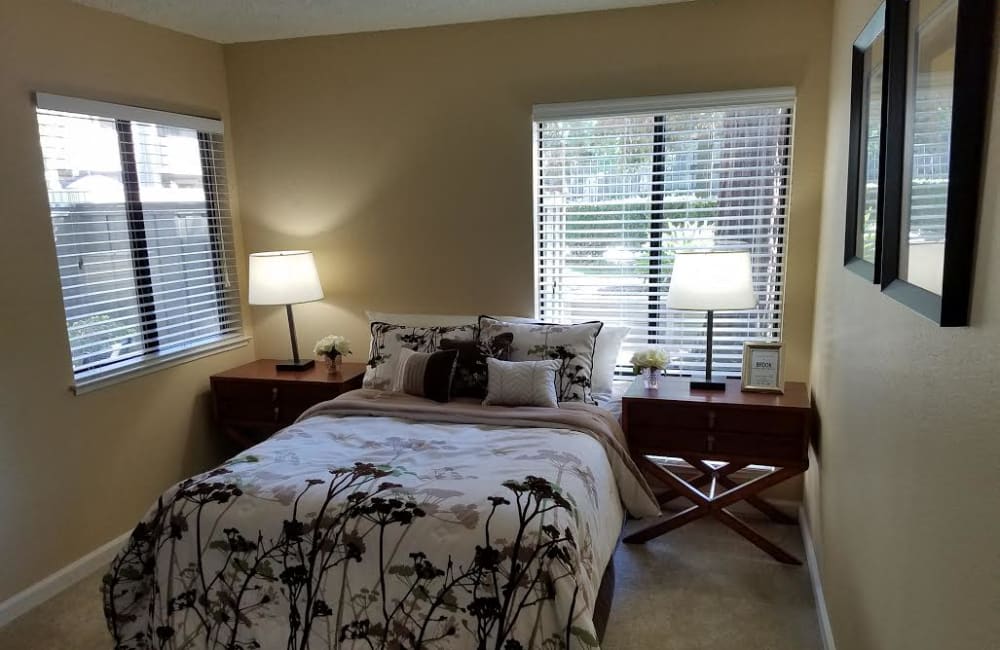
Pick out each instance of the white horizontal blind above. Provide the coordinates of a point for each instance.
(618, 195)
(143, 236)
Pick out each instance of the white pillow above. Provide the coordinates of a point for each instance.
(420, 320)
(609, 344)
(521, 383)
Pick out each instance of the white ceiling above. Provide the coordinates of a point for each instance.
(236, 21)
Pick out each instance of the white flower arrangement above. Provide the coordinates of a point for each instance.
(332, 346)
(650, 358)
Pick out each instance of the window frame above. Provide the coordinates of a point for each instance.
(654, 105)
(152, 356)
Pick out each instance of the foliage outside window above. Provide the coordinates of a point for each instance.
(140, 217)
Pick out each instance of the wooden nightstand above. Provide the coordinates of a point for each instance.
(254, 401)
(736, 428)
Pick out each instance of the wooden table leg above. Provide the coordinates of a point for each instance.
(755, 538)
(717, 504)
(667, 525)
(700, 508)
(770, 511)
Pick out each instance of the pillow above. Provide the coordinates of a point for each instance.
(522, 383)
(470, 371)
(609, 344)
(420, 320)
(572, 345)
(389, 340)
(426, 374)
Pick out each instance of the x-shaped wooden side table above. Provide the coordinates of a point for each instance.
(715, 503)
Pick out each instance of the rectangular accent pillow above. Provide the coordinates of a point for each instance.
(426, 374)
(471, 368)
(389, 340)
(573, 346)
(522, 383)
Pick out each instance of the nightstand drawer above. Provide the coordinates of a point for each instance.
(247, 401)
(255, 400)
(293, 403)
(652, 418)
(750, 420)
(658, 416)
(764, 449)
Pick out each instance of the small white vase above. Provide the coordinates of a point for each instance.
(651, 378)
(333, 363)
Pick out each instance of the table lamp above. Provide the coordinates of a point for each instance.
(285, 278)
(711, 282)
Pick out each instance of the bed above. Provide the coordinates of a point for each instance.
(383, 520)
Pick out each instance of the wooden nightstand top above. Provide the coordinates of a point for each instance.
(678, 389)
(264, 370)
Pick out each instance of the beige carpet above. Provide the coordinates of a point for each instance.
(698, 587)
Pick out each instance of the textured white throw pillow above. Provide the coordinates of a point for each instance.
(521, 383)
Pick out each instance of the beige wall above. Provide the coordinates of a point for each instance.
(403, 158)
(78, 471)
(904, 500)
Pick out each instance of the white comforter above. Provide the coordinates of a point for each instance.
(380, 521)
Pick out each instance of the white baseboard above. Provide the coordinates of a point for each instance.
(825, 629)
(24, 601)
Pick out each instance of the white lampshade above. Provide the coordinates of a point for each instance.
(284, 278)
(711, 281)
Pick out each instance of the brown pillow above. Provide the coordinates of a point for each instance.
(470, 369)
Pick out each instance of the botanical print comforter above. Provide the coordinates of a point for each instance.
(385, 521)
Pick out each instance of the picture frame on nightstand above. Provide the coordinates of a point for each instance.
(763, 368)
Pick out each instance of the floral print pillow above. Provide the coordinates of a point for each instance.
(572, 345)
(389, 339)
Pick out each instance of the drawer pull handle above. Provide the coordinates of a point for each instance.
(277, 412)
(274, 394)
(711, 419)
(711, 442)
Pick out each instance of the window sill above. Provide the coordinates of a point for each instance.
(142, 369)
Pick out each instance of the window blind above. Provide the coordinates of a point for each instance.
(618, 195)
(143, 235)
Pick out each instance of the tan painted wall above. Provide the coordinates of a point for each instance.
(904, 501)
(77, 471)
(403, 158)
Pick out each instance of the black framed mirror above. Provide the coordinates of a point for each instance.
(937, 104)
(867, 149)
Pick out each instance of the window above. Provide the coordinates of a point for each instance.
(621, 186)
(143, 236)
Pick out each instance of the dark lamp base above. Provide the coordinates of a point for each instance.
(708, 385)
(289, 365)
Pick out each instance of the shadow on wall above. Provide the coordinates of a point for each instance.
(815, 427)
(206, 445)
